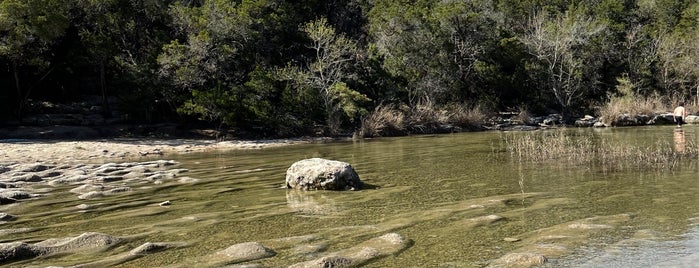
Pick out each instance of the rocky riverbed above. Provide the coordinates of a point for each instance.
(95, 169)
(92, 171)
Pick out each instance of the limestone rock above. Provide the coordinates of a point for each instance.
(150, 248)
(17, 251)
(242, 252)
(322, 174)
(361, 254)
(520, 260)
(692, 119)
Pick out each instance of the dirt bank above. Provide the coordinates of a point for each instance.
(63, 151)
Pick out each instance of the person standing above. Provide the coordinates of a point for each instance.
(679, 114)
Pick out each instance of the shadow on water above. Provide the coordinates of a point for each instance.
(455, 200)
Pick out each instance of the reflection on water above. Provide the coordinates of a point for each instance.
(311, 203)
(460, 198)
(679, 140)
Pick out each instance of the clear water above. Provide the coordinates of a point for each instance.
(426, 188)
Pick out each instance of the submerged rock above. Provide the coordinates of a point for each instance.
(520, 260)
(322, 174)
(365, 252)
(242, 252)
(85, 241)
(150, 248)
(15, 251)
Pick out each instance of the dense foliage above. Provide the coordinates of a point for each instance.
(290, 67)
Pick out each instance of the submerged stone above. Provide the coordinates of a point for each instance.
(361, 254)
(243, 252)
(520, 260)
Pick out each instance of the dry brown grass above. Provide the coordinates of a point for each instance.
(385, 120)
(566, 148)
(631, 106)
(466, 116)
(425, 113)
(391, 120)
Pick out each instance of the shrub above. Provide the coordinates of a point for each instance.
(627, 103)
(466, 116)
(386, 120)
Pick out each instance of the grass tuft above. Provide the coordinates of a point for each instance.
(564, 147)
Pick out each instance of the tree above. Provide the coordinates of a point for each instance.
(678, 54)
(28, 30)
(325, 70)
(558, 43)
(212, 58)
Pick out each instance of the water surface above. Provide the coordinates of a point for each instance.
(426, 188)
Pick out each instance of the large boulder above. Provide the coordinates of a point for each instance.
(322, 174)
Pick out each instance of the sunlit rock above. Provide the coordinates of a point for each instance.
(86, 188)
(242, 252)
(365, 252)
(17, 251)
(309, 249)
(33, 168)
(150, 248)
(322, 174)
(483, 220)
(88, 241)
(85, 241)
(692, 119)
(520, 260)
(330, 261)
(15, 194)
(6, 217)
(588, 226)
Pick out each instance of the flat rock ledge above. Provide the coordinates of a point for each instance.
(18, 182)
(322, 174)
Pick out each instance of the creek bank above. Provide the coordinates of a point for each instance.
(512, 122)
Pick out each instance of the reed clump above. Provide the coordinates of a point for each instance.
(385, 120)
(424, 117)
(626, 103)
(566, 148)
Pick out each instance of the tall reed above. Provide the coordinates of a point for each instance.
(566, 148)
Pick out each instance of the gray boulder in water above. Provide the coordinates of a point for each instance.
(322, 174)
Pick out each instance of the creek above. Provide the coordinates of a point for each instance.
(461, 199)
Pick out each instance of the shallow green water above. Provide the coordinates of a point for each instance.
(425, 188)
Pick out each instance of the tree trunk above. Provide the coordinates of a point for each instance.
(106, 111)
(20, 99)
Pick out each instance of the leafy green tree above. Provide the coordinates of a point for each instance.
(120, 40)
(445, 51)
(409, 48)
(215, 55)
(324, 73)
(28, 31)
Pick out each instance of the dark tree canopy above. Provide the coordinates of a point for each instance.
(286, 67)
